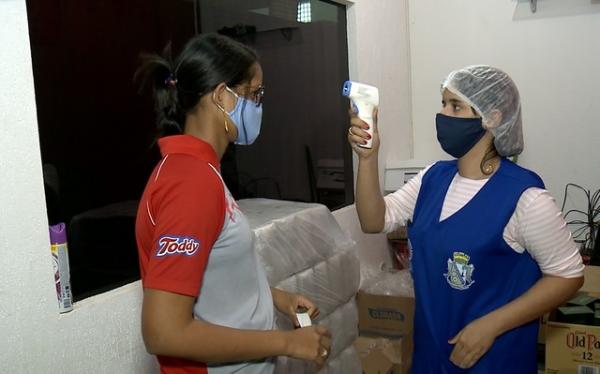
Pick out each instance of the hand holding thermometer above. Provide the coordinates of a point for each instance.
(364, 99)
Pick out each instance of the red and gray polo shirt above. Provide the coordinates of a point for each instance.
(193, 240)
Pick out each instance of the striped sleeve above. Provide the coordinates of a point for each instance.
(400, 205)
(539, 227)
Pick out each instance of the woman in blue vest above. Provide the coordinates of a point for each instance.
(490, 251)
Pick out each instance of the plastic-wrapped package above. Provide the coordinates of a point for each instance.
(291, 237)
(342, 324)
(329, 283)
(288, 365)
(262, 212)
(389, 282)
(347, 362)
(304, 250)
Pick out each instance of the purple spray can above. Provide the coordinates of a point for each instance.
(60, 260)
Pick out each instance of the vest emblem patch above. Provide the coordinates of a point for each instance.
(459, 275)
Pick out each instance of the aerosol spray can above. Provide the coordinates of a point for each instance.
(60, 260)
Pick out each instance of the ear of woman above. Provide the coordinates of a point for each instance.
(222, 98)
(494, 119)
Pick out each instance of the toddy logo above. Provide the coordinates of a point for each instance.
(170, 245)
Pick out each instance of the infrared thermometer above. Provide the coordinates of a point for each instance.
(364, 99)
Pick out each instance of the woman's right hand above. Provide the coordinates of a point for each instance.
(311, 343)
(357, 134)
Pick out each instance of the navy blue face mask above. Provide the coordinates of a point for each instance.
(458, 135)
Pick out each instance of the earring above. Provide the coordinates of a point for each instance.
(225, 122)
(222, 110)
(488, 168)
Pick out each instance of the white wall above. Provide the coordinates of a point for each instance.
(378, 53)
(102, 334)
(553, 59)
(373, 249)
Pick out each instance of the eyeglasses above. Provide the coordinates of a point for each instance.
(255, 95)
(258, 95)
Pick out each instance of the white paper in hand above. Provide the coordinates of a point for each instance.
(303, 318)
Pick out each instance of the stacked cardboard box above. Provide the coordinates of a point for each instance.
(572, 332)
(385, 326)
(380, 355)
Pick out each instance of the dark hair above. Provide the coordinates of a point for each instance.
(205, 62)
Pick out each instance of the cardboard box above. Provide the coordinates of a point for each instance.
(592, 279)
(379, 355)
(400, 233)
(572, 348)
(592, 282)
(385, 315)
(542, 331)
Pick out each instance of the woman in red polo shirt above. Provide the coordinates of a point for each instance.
(207, 306)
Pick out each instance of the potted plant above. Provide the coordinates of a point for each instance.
(585, 223)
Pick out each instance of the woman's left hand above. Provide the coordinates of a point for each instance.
(288, 303)
(472, 342)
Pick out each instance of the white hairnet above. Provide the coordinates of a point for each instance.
(491, 91)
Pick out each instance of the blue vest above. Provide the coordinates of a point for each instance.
(463, 269)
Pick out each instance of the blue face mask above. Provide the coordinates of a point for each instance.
(458, 135)
(247, 117)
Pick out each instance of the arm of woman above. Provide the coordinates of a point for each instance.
(477, 337)
(376, 213)
(369, 200)
(169, 329)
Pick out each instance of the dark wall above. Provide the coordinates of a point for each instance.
(94, 127)
(96, 131)
(303, 105)
(304, 67)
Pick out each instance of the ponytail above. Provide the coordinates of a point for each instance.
(158, 70)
